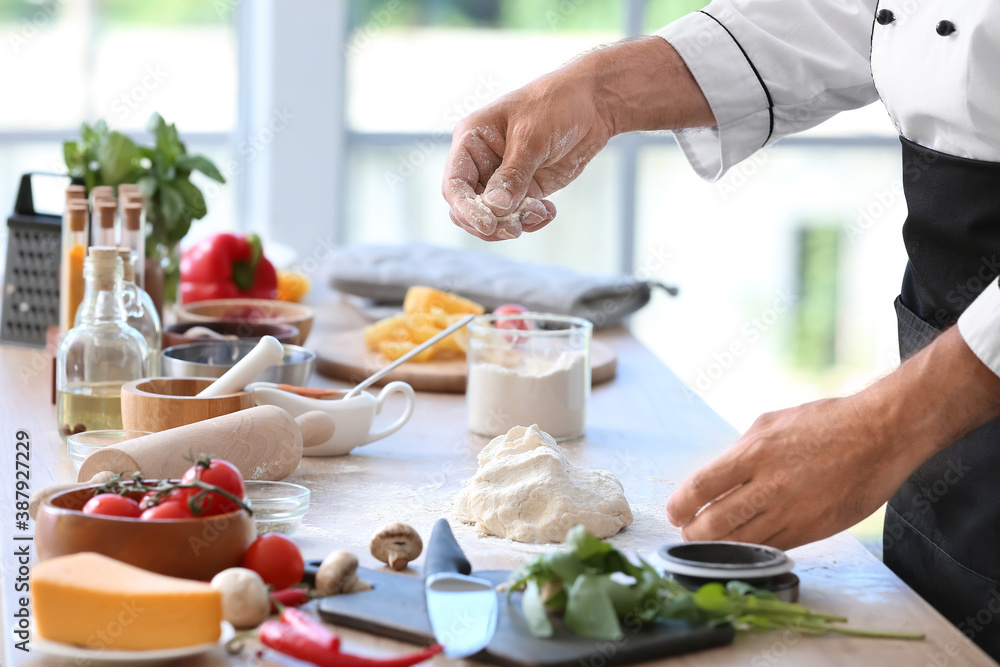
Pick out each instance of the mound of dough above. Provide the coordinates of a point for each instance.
(526, 490)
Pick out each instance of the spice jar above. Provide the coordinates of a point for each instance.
(529, 368)
(100, 354)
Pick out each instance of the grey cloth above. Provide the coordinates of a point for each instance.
(383, 273)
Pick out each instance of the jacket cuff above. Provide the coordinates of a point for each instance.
(980, 327)
(734, 90)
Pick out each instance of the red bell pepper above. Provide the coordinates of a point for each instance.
(226, 266)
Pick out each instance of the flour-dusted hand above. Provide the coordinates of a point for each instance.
(806, 473)
(508, 157)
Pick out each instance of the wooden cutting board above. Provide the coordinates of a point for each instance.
(395, 608)
(343, 356)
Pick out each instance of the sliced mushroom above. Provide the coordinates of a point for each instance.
(396, 544)
(338, 573)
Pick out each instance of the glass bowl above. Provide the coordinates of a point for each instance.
(81, 445)
(278, 507)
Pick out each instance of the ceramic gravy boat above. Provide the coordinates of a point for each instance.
(353, 417)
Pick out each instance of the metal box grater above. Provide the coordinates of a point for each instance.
(31, 276)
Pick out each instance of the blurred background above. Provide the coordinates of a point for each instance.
(331, 120)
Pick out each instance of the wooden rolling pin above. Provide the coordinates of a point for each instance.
(263, 442)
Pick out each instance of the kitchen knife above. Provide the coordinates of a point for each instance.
(462, 609)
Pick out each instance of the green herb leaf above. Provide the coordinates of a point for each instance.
(534, 611)
(115, 156)
(589, 610)
(584, 545)
(202, 164)
(194, 201)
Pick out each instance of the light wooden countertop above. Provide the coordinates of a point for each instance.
(645, 426)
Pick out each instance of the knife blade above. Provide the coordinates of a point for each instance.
(462, 609)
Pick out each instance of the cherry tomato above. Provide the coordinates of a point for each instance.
(222, 474)
(276, 559)
(148, 500)
(169, 510)
(176, 495)
(512, 323)
(111, 504)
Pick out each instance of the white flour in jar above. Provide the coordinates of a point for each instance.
(510, 390)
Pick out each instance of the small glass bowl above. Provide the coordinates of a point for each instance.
(278, 507)
(81, 445)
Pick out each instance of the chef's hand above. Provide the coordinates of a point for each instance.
(806, 473)
(508, 157)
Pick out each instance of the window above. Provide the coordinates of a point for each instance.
(62, 63)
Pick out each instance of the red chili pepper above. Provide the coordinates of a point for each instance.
(289, 597)
(283, 638)
(225, 266)
(310, 627)
(293, 642)
(345, 660)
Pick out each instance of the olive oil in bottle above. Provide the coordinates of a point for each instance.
(100, 354)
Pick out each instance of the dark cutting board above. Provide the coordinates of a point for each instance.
(395, 608)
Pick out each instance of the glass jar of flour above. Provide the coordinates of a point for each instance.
(529, 368)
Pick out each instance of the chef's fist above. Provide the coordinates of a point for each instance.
(507, 158)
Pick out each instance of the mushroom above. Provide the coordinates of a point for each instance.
(396, 544)
(338, 573)
(245, 602)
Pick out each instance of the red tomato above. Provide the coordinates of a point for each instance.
(148, 500)
(176, 495)
(111, 504)
(169, 510)
(512, 323)
(222, 474)
(276, 559)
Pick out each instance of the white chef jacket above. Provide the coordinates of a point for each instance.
(770, 68)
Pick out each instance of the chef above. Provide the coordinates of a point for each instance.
(739, 76)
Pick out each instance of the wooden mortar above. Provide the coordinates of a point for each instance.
(158, 404)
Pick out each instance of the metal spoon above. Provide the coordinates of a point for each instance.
(444, 333)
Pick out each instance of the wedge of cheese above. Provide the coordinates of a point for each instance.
(97, 602)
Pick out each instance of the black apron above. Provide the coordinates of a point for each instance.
(942, 528)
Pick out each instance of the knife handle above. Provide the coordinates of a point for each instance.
(443, 552)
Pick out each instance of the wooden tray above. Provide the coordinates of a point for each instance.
(395, 608)
(343, 356)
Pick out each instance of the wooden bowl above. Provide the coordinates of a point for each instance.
(176, 334)
(196, 548)
(254, 311)
(156, 404)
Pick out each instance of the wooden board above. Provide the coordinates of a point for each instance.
(395, 608)
(343, 356)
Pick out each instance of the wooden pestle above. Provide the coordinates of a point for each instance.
(263, 442)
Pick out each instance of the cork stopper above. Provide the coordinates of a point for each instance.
(127, 187)
(76, 217)
(76, 192)
(132, 212)
(102, 253)
(106, 209)
(102, 191)
(128, 270)
(133, 198)
(102, 266)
